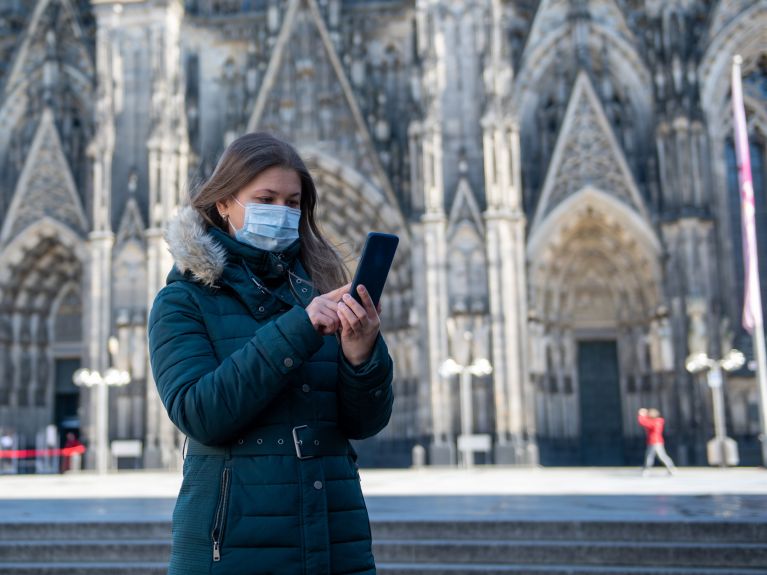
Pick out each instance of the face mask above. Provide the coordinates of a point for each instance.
(268, 227)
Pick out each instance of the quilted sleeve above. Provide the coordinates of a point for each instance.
(210, 401)
(365, 393)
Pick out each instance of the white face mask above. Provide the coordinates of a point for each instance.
(268, 227)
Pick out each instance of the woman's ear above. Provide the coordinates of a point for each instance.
(223, 209)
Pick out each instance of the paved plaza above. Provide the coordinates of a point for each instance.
(620, 494)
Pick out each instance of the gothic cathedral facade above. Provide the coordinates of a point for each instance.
(560, 172)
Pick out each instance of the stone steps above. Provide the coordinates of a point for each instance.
(430, 547)
(81, 568)
(635, 531)
(575, 553)
(696, 531)
(449, 552)
(490, 569)
(120, 568)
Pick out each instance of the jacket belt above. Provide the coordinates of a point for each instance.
(302, 441)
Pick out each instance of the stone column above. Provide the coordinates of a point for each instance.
(433, 227)
(98, 268)
(505, 244)
(168, 148)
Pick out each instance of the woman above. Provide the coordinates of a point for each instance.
(269, 368)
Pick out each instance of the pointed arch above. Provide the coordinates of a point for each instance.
(725, 12)
(745, 34)
(18, 72)
(738, 29)
(587, 197)
(46, 186)
(597, 240)
(36, 268)
(587, 154)
(44, 229)
(328, 168)
(546, 77)
(329, 116)
(540, 54)
(132, 225)
(465, 208)
(24, 97)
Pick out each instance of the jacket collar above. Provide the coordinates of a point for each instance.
(209, 254)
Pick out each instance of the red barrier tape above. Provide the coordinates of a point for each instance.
(29, 453)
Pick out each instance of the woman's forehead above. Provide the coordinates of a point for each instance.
(277, 181)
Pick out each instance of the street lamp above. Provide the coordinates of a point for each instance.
(111, 377)
(721, 445)
(478, 367)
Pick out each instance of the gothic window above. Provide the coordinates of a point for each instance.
(68, 321)
(467, 268)
(130, 278)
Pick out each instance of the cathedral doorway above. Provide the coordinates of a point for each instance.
(42, 327)
(594, 276)
(601, 437)
(67, 398)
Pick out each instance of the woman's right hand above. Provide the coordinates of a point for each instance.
(323, 311)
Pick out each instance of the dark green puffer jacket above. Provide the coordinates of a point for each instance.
(242, 372)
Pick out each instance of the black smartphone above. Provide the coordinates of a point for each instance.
(374, 264)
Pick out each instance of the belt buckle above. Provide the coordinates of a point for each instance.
(297, 442)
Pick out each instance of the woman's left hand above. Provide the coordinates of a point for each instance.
(359, 326)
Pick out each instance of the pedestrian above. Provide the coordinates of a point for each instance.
(6, 447)
(653, 424)
(269, 366)
(73, 447)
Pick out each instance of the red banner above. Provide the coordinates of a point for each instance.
(30, 453)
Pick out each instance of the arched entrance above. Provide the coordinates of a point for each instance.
(595, 291)
(41, 340)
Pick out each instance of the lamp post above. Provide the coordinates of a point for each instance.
(721, 445)
(478, 367)
(111, 377)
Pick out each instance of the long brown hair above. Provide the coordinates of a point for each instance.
(242, 161)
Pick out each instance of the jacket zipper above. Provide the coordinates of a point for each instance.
(218, 522)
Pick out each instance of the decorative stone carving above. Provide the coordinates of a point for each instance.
(587, 155)
(46, 187)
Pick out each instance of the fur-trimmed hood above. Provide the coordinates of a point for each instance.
(193, 248)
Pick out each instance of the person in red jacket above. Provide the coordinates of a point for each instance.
(653, 424)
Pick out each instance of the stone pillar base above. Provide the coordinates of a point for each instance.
(516, 453)
(166, 459)
(152, 458)
(441, 454)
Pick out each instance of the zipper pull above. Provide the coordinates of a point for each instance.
(216, 551)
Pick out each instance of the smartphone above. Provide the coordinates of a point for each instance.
(374, 265)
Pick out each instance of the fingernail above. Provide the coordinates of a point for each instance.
(361, 289)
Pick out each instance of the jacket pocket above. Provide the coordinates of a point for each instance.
(219, 519)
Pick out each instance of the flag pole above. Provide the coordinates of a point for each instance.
(761, 376)
(753, 319)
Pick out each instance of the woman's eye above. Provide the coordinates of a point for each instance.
(264, 200)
